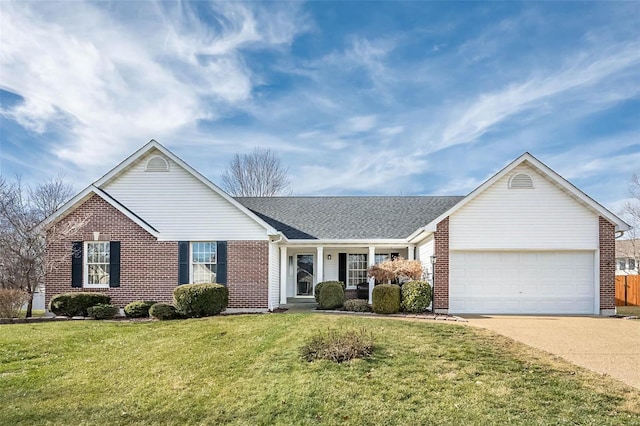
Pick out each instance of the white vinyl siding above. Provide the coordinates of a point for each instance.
(542, 218)
(522, 282)
(274, 276)
(180, 206)
(424, 251)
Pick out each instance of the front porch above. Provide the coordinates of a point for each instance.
(302, 266)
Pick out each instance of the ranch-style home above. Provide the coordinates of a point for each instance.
(524, 242)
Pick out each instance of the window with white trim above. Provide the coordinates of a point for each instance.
(381, 257)
(632, 264)
(356, 269)
(204, 261)
(97, 258)
(622, 264)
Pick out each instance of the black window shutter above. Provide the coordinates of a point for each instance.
(114, 264)
(183, 262)
(221, 269)
(76, 264)
(395, 255)
(342, 267)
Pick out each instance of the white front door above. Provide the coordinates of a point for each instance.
(304, 274)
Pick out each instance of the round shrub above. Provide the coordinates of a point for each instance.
(331, 296)
(386, 299)
(416, 296)
(138, 309)
(163, 311)
(103, 311)
(200, 300)
(357, 305)
(76, 304)
(316, 290)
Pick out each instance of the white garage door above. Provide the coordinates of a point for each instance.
(522, 282)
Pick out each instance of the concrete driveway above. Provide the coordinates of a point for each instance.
(605, 345)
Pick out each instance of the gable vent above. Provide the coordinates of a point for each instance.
(157, 164)
(521, 181)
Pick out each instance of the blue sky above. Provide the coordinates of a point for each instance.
(381, 98)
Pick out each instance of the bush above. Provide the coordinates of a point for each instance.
(163, 311)
(338, 347)
(357, 305)
(103, 311)
(11, 300)
(138, 309)
(77, 304)
(200, 300)
(416, 296)
(316, 290)
(386, 299)
(331, 296)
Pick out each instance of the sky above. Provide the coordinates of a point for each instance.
(356, 98)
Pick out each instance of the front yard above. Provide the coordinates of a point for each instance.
(247, 370)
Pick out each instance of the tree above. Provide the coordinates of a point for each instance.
(631, 213)
(22, 242)
(257, 174)
(396, 270)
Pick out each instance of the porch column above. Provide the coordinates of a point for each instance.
(372, 281)
(320, 271)
(283, 275)
(410, 252)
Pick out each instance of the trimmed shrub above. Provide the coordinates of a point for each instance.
(77, 304)
(357, 305)
(338, 347)
(386, 299)
(11, 300)
(416, 296)
(331, 296)
(138, 309)
(316, 290)
(200, 300)
(163, 311)
(103, 311)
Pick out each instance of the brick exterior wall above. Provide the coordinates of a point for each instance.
(248, 274)
(607, 264)
(149, 268)
(441, 270)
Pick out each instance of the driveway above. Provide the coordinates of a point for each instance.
(605, 345)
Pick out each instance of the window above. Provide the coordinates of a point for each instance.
(381, 257)
(622, 264)
(97, 261)
(632, 264)
(204, 262)
(356, 269)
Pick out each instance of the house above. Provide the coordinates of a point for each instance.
(524, 242)
(627, 256)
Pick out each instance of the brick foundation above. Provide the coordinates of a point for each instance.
(607, 265)
(441, 272)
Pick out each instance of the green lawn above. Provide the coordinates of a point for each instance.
(628, 310)
(247, 370)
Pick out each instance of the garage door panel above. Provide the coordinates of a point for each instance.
(522, 282)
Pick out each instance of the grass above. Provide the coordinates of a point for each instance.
(628, 310)
(248, 370)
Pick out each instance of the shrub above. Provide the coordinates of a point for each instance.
(386, 299)
(316, 290)
(76, 304)
(138, 309)
(338, 347)
(11, 300)
(331, 296)
(200, 300)
(416, 296)
(163, 311)
(396, 270)
(103, 311)
(357, 305)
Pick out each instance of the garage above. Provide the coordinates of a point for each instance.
(522, 282)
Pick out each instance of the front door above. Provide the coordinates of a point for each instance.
(304, 275)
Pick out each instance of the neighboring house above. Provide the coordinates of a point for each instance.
(627, 257)
(525, 241)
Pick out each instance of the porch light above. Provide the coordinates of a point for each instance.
(96, 236)
(328, 257)
(433, 259)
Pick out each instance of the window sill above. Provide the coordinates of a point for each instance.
(96, 286)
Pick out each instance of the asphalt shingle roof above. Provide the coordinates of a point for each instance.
(348, 217)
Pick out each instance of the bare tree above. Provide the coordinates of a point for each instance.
(22, 242)
(257, 174)
(631, 213)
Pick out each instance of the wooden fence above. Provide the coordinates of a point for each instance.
(627, 290)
